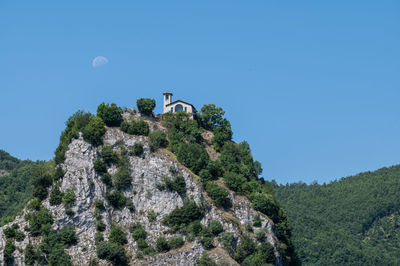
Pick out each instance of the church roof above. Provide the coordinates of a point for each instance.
(174, 102)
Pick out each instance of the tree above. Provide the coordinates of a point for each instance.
(218, 194)
(157, 139)
(146, 106)
(94, 131)
(110, 114)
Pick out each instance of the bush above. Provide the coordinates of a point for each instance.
(130, 206)
(98, 237)
(133, 127)
(152, 216)
(40, 222)
(194, 156)
(58, 174)
(69, 197)
(94, 131)
(98, 204)
(100, 226)
(162, 245)
(218, 194)
(8, 252)
(157, 139)
(183, 216)
(260, 235)
(245, 248)
(69, 212)
(138, 231)
(195, 228)
(142, 244)
(137, 149)
(234, 181)
(176, 242)
(41, 179)
(108, 155)
(13, 232)
(67, 236)
(207, 242)
(106, 179)
(35, 204)
(112, 252)
(177, 184)
(56, 196)
(116, 199)
(146, 106)
(117, 235)
(205, 260)
(100, 167)
(228, 241)
(30, 254)
(266, 204)
(110, 114)
(257, 221)
(215, 227)
(122, 178)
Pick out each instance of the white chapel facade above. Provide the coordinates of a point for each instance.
(173, 107)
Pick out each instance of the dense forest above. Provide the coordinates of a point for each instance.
(352, 221)
(15, 185)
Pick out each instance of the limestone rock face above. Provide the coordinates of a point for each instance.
(147, 172)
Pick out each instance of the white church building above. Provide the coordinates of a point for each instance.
(178, 105)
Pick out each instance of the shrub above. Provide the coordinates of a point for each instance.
(40, 222)
(228, 241)
(98, 237)
(137, 149)
(234, 181)
(35, 204)
(205, 260)
(41, 179)
(245, 248)
(106, 179)
(257, 221)
(56, 196)
(69, 212)
(260, 235)
(146, 106)
(133, 127)
(215, 227)
(108, 155)
(67, 236)
(218, 194)
(130, 206)
(69, 197)
(100, 167)
(266, 204)
(142, 244)
(110, 114)
(177, 184)
(152, 215)
(176, 242)
(157, 139)
(58, 174)
(117, 235)
(30, 254)
(112, 252)
(13, 232)
(94, 131)
(266, 250)
(162, 245)
(116, 199)
(222, 134)
(194, 156)
(195, 228)
(122, 178)
(138, 231)
(100, 226)
(8, 252)
(98, 204)
(207, 242)
(183, 216)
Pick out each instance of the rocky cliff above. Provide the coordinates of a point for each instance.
(150, 205)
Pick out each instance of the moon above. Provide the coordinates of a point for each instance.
(99, 61)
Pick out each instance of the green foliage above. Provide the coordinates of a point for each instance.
(195, 228)
(234, 181)
(177, 184)
(108, 155)
(246, 247)
(146, 106)
(56, 196)
(98, 238)
(205, 260)
(218, 194)
(59, 173)
(138, 231)
(106, 179)
(15, 187)
(116, 199)
(8, 252)
(260, 235)
(100, 167)
(98, 204)
(69, 197)
(75, 124)
(117, 235)
(181, 217)
(257, 221)
(228, 241)
(31, 254)
(176, 242)
(162, 245)
(100, 226)
(207, 242)
(157, 139)
(39, 221)
(266, 204)
(112, 252)
(357, 215)
(94, 131)
(194, 156)
(110, 114)
(152, 216)
(8, 162)
(215, 227)
(41, 178)
(13, 232)
(34, 204)
(137, 149)
(133, 127)
(122, 178)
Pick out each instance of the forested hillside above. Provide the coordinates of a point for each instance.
(15, 185)
(353, 221)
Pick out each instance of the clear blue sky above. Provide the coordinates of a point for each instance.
(313, 86)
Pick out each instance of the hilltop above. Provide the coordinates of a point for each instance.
(352, 221)
(128, 187)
